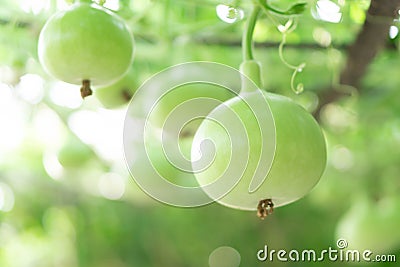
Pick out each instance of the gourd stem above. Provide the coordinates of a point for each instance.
(247, 40)
(85, 89)
(250, 69)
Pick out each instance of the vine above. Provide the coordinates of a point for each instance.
(250, 67)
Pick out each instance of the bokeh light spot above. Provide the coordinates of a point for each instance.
(224, 257)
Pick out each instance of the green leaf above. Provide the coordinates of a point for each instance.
(295, 9)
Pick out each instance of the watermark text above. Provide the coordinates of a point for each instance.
(340, 253)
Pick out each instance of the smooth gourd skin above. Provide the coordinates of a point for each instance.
(86, 42)
(299, 160)
(74, 153)
(118, 93)
(165, 169)
(187, 92)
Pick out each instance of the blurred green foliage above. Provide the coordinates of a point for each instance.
(89, 212)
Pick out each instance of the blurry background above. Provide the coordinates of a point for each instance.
(66, 197)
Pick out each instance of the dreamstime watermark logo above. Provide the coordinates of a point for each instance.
(341, 253)
(169, 101)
